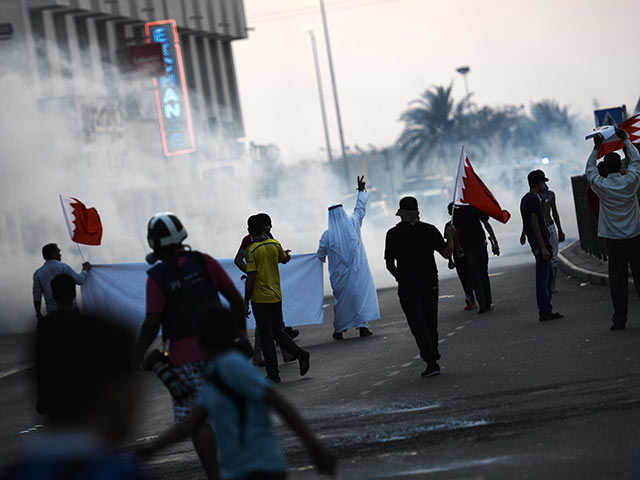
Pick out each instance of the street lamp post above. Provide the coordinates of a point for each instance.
(335, 90)
(464, 72)
(320, 94)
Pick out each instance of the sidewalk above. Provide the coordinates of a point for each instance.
(579, 264)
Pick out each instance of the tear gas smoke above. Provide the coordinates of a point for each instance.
(124, 175)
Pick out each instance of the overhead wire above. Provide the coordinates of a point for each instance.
(312, 10)
(304, 9)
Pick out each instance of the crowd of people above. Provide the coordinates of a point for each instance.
(84, 365)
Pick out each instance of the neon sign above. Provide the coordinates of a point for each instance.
(172, 99)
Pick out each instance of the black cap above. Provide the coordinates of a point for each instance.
(408, 203)
(536, 177)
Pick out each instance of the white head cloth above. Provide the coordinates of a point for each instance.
(342, 237)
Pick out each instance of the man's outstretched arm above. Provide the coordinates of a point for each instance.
(360, 209)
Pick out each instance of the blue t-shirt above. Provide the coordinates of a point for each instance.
(256, 448)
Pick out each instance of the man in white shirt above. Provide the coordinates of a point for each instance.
(619, 221)
(51, 268)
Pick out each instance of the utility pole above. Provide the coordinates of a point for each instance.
(335, 91)
(320, 94)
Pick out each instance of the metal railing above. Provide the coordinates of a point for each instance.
(587, 222)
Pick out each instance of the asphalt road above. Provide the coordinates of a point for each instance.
(516, 398)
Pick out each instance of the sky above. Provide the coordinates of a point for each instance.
(387, 52)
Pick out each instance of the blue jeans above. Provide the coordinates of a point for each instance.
(544, 280)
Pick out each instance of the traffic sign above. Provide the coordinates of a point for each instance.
(610, 116)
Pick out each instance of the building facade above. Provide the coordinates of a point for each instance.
(78, 55)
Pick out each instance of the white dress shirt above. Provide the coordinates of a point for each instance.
(619, 211)
(42, 281)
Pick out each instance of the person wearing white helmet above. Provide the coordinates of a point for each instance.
(183, 282)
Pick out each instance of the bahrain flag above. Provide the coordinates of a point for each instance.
(83, 223)
(470, 190)
(632, 126)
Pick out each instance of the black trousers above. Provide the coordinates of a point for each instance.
(420, 306)
(271, 328)
(622, 254)
(462, 270)
(478, 265)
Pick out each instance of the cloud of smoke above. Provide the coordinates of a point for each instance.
(125, 176)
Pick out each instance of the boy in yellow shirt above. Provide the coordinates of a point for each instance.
(263, 290)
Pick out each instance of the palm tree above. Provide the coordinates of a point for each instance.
(547, 114)
(432, 123)
(538, 131)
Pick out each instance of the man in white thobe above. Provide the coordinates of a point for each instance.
(356, 301)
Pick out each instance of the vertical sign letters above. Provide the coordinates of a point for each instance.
(172, 99)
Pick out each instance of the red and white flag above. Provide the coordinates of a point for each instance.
(83, 223)
(632, 126)
(470, 190)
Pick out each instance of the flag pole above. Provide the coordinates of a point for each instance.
(453, 206)
(455, 188)
(81, 255)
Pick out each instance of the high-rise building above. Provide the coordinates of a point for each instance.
(77, 54)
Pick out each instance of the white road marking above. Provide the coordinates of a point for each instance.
(416, 357)
(442, 340)
(450, 334)
(408, 364)
(13, 371)
(31, 429)
(467, 322)
(496, 274)
(365, 392)
(447, 296)
(378, 383)
(460, 327)
(394, 373)
(452, 466)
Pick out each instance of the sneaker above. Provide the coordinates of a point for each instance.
(304, 362)
(338, 336)
(551, 316)
(432, 370)
(470, 305)
(287, 357)
(365, 332)
(273, 378)
(294, 333)
(618, 326)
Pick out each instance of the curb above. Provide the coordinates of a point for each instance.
(572, 269)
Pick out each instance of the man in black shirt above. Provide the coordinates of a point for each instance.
(535, 228)
(470, 220)
(409, 248)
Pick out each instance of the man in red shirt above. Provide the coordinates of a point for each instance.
(177, 288)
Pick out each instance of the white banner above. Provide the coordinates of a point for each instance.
(119, 290)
